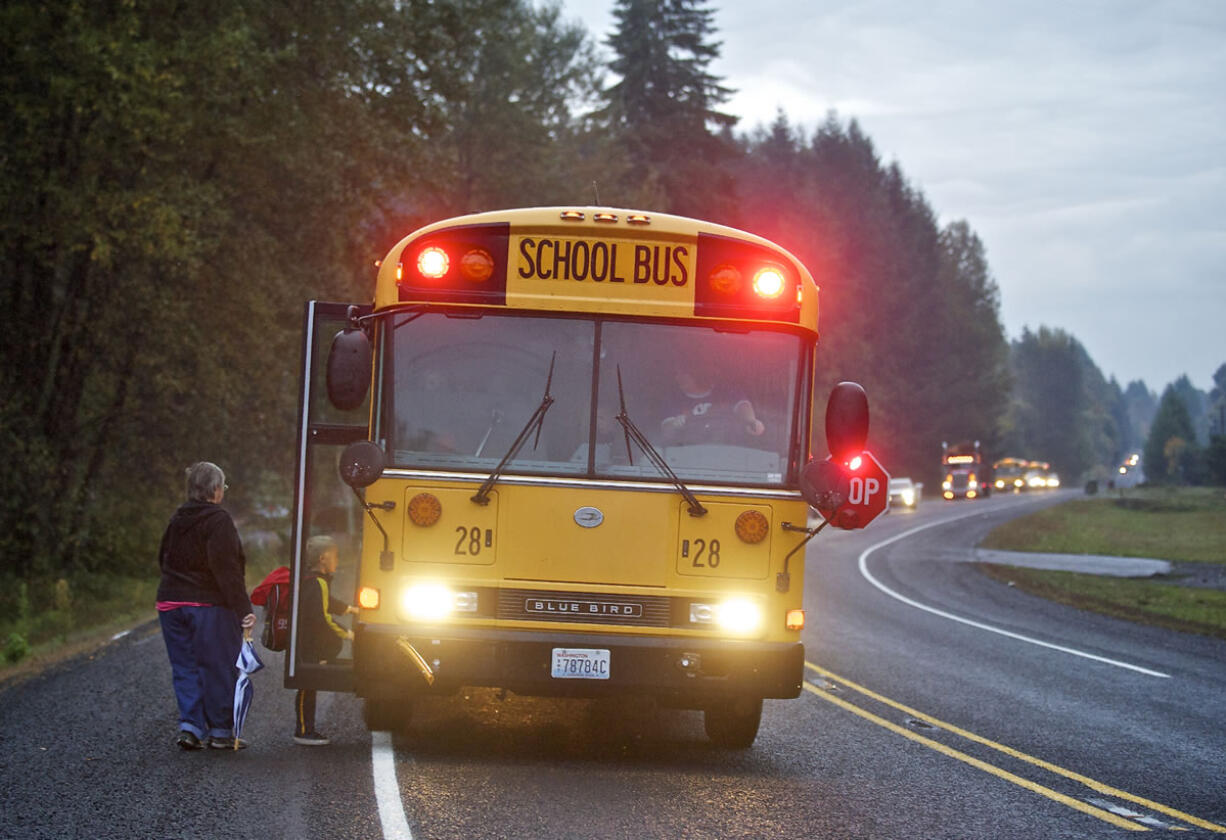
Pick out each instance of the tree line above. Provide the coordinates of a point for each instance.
(178, 178)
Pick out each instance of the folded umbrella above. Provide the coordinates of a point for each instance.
(248, 663)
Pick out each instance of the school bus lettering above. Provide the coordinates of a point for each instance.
(661, 264)
(602, 262)
(566, 259)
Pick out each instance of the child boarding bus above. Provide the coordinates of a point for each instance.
(574, 442)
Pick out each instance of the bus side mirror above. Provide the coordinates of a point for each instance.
(846, 421)
(349, 366)
(361, 464)
(825, 485)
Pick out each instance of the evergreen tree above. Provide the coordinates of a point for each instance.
(1141, 404)
(1062, 407)
(1197, 404)
(894, 288)
(663, 108)
(1171, 451)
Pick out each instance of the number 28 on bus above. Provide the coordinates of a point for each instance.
(576, 444)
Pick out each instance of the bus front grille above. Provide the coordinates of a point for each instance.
(584, 607)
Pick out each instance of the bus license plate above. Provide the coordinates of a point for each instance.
(580, 664)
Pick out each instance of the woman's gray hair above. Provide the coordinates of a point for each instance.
(315, 548)
(204, 479)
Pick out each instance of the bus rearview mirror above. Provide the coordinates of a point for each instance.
(825, 485)
(846, 421)
(361, 464)
(349, 366)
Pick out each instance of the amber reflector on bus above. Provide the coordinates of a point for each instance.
(425, 509)
(725, 279)
(368, 598)
(795, 620)
(477, 265)
(752, 527)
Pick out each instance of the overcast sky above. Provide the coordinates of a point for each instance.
(1083, 140)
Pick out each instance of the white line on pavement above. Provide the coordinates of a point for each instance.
(869, 577)
(387, 791)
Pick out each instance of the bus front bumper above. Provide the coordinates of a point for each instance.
(686, 672)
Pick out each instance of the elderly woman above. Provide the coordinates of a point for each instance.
(203, 607)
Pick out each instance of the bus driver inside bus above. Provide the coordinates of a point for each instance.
(708, 411)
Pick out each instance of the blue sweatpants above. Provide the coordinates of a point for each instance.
(203, 643)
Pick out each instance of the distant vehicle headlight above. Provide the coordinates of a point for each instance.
(908, 497)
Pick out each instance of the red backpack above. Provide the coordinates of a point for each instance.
(274, 596)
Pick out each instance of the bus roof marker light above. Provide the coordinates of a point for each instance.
(638, 219)
(768, 282)
(571, 216)
(604, 217)
(433, 263)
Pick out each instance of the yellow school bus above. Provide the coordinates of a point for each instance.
(562, 453)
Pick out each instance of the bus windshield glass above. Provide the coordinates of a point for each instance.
(717, 406)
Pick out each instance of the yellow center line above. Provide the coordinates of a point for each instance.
(1009, 751)
(1084, 807)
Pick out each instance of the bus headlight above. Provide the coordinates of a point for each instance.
(435, 601)
(735, 615)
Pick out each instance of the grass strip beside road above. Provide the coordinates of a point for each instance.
(1181, 525)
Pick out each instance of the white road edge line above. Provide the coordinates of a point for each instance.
(869, 577)
(387, 791)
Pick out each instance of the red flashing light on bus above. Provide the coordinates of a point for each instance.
(769, 282)
(855, 463)
(433, 263)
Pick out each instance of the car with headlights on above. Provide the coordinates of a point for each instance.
(905, 493)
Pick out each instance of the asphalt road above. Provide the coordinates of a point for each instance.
(940, 703)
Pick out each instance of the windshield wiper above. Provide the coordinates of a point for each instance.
(536, 421)
(653, 454)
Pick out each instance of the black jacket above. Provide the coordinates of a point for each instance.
(319, 636)
(202, 559)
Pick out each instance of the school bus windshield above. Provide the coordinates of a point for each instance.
(719, 407)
